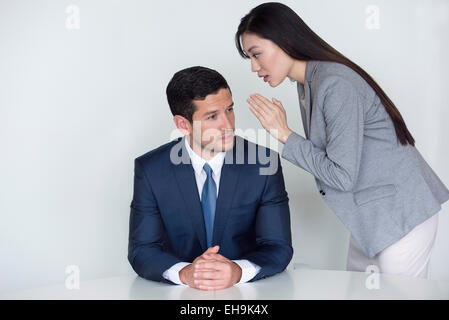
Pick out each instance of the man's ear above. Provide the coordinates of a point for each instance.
(183, 124)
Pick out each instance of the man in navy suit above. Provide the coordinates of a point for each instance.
(208, 210)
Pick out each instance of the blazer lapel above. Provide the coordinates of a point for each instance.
(188, 189)
(304, 90)
(308, 106)
(228, 186)
(305, 113)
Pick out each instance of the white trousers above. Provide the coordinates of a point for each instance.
(409, 256)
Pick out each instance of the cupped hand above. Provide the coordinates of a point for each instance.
(271, 114)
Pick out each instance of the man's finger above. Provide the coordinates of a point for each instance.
(207, 275)
(214, 256)
(207, 264)
(214, 265)
(213, 249)
(208, 254)
(219, 257)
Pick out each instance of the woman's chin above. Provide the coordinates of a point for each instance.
(274, 83)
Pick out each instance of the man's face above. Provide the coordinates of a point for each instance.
(213, 124)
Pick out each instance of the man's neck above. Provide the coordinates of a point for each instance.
(203, 153)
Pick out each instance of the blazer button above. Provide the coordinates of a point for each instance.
(322, 192)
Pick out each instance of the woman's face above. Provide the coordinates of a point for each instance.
(267, 59)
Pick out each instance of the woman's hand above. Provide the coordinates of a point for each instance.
(271, 115)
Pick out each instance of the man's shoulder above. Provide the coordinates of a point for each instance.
(244, 152)
(158, 154)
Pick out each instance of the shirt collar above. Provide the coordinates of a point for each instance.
(216, 163)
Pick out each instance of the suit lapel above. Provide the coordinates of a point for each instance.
(228, 186)
(188, 189)
(185, 177)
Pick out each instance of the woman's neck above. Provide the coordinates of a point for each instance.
(298, 71)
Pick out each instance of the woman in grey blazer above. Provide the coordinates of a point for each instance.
(357, 145)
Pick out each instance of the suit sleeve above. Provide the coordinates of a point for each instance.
(338, 165)
(273, 233)
(146, 232)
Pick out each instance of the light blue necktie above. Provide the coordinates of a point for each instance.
(208, 202)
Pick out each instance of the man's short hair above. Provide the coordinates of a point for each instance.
(194, 83)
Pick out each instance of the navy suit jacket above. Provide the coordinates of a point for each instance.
(252, 218)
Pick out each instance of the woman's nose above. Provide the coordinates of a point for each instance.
(254, 66)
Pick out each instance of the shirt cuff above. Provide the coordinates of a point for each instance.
(249, 270)
(172, 273)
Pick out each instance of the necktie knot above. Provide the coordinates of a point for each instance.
(208, 170)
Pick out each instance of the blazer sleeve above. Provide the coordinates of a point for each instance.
(147, 232)
(273, 233)
(338, 165)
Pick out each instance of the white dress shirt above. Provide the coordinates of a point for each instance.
(249, 269)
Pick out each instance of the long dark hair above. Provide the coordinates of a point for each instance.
(280, 24)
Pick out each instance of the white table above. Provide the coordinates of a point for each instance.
(292, 284)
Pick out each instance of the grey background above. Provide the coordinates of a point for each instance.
(78, 105)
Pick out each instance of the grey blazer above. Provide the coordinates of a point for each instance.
(378, 188)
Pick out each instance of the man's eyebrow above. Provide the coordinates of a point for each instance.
(210, 112)
(215, 111)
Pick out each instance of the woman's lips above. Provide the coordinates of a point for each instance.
(265, 78)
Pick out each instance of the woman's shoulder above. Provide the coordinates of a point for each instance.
(322, 70)
(325, 74)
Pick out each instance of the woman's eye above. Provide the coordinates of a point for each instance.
(211, 117)
(231, 109)
(256, 55)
